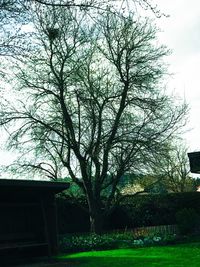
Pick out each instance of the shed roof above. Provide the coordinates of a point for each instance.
(33, 185)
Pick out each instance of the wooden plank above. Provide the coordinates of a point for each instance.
(22, 245)
(19, 204)
(17, 236)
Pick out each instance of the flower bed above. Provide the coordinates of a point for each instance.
(137, 238)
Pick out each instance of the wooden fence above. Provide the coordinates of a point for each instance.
(160, 229)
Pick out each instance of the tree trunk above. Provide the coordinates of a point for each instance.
(95, 212)
(96, 222)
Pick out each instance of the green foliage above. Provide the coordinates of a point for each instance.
(86, 242)
(112, 240)
(158, 209)
(71, 215)
(187, 220)
(134, 211)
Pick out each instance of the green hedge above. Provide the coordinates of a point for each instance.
(158, 209)
(134, 211)
(71, 218)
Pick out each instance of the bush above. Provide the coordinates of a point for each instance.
(70, 215)
(72, 243)
(87, 242)
(133, 211)
(157, 209)
(187, 220)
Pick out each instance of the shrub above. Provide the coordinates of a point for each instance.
(72, 243)
(133, 211)
(187, 220)
(157, 209)
(86, 242)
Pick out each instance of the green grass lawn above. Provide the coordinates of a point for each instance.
(166, 256)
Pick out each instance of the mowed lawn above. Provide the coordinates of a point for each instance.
(184, 255)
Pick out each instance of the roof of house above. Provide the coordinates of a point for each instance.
(194, 159)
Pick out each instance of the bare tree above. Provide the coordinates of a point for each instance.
(14, 14)
(103, 4)
(173, 169)
(89, 102)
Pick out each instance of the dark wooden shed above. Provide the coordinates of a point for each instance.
(28, 220)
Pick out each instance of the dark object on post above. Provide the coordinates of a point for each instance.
(28, 221)
(194, 159)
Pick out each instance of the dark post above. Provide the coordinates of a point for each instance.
(50, 223)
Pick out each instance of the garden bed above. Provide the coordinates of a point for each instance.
(143, 236)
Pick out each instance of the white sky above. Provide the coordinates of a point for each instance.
(181, 33)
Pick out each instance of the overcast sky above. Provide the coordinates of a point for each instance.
(181, 33)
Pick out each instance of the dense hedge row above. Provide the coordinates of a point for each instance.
(159, 209)
(134, 211)
(71, 217)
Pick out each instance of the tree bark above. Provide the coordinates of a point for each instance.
(96, 214)
(96, 222)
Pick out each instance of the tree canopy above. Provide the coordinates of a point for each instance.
(89, 102)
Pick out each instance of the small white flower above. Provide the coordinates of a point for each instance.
(138, 242)
(156, 238)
